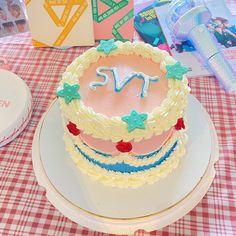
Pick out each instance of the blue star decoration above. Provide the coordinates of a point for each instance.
(135, 120)
(107, 46)
(176, 71)
(69, 92)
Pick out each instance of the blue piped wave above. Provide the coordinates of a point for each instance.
(126, 168)
(151, 154)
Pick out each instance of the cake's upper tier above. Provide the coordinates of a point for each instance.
(123, 91)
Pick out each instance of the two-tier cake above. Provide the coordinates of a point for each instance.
(123, 107)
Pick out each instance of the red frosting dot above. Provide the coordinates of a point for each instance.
(180, 124)
(73, 129)
(124, 146)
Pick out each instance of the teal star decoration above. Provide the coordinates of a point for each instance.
(135, 120)
(69, 92)
(107, 46)
(176, 71)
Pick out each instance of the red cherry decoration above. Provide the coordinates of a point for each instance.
(180, 124)
(124, 146)
(73, 129)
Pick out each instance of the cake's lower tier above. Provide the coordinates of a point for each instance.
(125, 169)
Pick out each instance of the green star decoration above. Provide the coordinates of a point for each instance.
(135, 120)
(107, 46)
(69, 92)
(176, 71)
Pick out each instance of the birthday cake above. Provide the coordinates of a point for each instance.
(123, 110)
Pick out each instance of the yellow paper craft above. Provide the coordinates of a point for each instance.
(60, 22)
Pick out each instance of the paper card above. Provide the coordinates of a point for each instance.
(113, 19)
(60, 22)
(12, 17)
(185, 52)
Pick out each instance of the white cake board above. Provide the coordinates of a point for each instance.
(123, 211)
(15, 106)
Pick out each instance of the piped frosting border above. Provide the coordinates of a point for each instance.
(133, 180)
(113, 128)
(128, 158)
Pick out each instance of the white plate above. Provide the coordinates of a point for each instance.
(15, 106)
(115, 210)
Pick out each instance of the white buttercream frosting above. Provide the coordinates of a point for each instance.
(113, 128)
(123, 180)
(128, 158)
(100, 126)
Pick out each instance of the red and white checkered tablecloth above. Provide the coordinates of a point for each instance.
(24, 208)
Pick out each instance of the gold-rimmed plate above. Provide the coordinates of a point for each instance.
(115, 210)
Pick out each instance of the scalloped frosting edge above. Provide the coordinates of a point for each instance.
(113, 128)
(128, 158)
(124, 180)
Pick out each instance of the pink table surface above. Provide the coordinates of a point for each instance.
(24, 209)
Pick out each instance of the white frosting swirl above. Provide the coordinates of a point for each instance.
(124, 180)
(113, 128)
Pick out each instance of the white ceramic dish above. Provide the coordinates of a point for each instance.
(15, 106)
(115, 210)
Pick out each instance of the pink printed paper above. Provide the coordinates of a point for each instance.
(113, 19)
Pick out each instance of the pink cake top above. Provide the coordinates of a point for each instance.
(106, 101)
